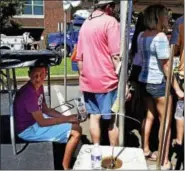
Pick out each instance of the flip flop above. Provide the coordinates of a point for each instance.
(152, 156)
(167, 166)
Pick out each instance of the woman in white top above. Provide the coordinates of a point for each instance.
(154, 49)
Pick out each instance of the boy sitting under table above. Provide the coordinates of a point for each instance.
(36, 122)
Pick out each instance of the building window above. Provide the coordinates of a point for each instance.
(33, 7)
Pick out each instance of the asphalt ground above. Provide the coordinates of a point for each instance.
(47, 156)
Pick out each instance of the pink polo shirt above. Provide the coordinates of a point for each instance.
(99, 40)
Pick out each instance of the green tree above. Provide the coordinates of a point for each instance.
(9, 8)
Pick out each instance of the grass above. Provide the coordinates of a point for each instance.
(54, 70)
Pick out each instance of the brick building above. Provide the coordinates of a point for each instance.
(42, 17)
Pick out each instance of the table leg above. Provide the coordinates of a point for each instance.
(12, 130)
(14, 79)
(49, 86)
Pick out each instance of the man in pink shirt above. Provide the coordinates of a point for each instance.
(98, 56)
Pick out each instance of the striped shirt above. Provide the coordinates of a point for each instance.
(152, 49)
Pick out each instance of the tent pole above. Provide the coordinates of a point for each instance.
(123, 73)
(65, 57)
(164, 123)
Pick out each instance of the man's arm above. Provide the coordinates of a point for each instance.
(79, 53)
(38, 116)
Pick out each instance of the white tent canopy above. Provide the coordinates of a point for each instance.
(70, 3)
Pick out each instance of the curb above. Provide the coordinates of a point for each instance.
(55, 79)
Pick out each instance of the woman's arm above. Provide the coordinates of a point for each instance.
(175, 85)
(163, 55)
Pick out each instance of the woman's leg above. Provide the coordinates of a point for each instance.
(147, 123)
(160, 104)
(71, 145)
(180, 131)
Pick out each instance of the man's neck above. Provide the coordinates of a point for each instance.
(99, 9)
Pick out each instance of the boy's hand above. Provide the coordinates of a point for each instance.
(73, 119)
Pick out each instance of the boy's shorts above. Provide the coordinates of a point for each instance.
(55, 133)
(100, 103)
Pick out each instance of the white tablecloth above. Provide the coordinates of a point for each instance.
(132, 158)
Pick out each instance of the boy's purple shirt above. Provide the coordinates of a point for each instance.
(27, 100)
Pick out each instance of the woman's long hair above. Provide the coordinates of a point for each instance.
(138, 29)
(152, 14)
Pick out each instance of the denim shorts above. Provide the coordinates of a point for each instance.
(156, 90)
(100, 103)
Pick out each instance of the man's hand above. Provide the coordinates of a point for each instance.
(127, 93)
(116, 61)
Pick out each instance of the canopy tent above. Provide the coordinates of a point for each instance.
(26, 58)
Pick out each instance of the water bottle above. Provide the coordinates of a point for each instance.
(96, 157)
(179, 110)
(82, 113)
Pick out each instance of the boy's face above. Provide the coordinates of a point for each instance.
(37, 76)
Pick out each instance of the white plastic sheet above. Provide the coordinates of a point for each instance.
(132, 158)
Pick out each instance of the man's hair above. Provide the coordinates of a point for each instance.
(152, 14)
(103, 6)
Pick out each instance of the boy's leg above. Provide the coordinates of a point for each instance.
(71, 145)
(56, 133)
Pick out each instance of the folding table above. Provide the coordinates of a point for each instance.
(24, 58)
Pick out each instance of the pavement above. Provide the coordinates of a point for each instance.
(47, 155)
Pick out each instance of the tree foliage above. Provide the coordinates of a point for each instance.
(9, 8)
